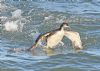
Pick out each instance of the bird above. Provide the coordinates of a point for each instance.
(52, 38)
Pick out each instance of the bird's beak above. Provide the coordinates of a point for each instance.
(67, 28)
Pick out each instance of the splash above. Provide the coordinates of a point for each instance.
(17, 13)
(16, 22)
(11, 26)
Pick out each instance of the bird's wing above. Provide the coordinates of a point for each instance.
(75, 39)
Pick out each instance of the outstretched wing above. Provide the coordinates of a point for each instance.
(75, 39)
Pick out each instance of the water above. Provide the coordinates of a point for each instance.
(22, 21)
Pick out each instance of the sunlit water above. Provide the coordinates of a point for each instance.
(22, 21)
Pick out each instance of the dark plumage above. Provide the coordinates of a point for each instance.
(48, 36)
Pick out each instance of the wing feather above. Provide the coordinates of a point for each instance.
(75, 39)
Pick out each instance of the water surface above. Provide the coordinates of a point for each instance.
(30, 18)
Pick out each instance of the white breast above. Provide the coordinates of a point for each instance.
(55, 39)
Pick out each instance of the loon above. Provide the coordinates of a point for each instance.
(52, 38)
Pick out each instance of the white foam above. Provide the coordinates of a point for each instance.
(17, 13)
(11, 26)
(48, 17)
(16, 22)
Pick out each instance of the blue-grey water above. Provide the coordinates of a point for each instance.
(21, 21)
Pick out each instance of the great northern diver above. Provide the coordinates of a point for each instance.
(52, 38)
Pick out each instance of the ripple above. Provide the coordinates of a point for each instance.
(42, 15)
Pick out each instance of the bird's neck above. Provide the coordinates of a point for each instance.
(61, 29)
